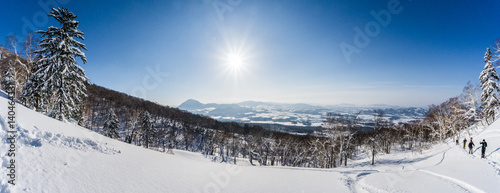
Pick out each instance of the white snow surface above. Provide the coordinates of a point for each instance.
(54, 156)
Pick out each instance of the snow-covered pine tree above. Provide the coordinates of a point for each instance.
(9, 80)
(32, 94)
(63, 80)
(489, 84)
(111, 125)
(147, 126)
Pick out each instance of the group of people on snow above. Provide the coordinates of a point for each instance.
(472, 145)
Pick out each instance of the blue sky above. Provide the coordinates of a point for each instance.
(289, 51)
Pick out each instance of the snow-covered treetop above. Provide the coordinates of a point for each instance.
(61, 39)
(487, 55)
(64, 16)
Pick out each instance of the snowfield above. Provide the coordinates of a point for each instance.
(53, 156)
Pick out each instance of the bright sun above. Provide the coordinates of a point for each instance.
(234, 60)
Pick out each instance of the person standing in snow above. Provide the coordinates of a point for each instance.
(483, 148)
(471, 146)
(465, 142)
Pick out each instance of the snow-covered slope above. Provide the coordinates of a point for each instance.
(60, 157)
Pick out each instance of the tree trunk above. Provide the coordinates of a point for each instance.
(373, 155)
(345, 160)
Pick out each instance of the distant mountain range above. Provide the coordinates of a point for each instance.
(296, 115)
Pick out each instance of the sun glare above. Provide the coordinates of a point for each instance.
(234, 60)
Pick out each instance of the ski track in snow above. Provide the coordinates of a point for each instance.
(351, 180)
(461, 184)
(495, 165)
(442, 159)
(354, 179)
(493, 152)
(350, 183)
(488, 157)
(359, 185)
(362, 186)
(492, 162)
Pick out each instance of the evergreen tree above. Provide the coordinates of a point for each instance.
(63, 80)
(32, 94)
(489, 84)
(9, 80)
(111, 125)
(147, 126)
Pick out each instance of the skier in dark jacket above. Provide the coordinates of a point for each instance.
(483, 148)
(471, 145)
(465, 142)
